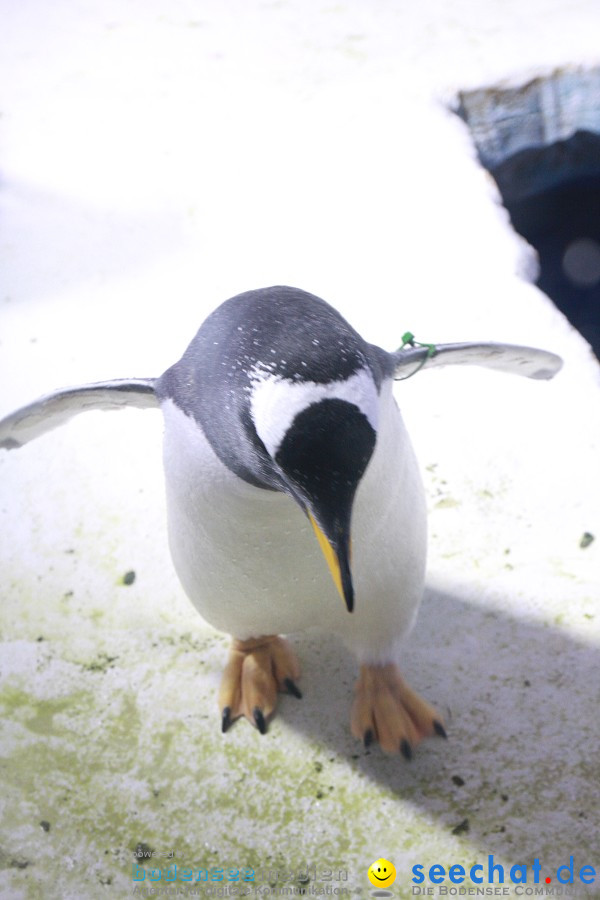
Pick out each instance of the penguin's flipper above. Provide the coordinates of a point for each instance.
(387, 710)
(55, 409)
(511, 358)
(257, 669)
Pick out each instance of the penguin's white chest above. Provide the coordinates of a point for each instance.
(249, 560)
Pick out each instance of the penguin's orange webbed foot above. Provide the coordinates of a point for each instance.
(257, 669)
(387, 710)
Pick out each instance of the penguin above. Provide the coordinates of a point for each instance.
(294, 496)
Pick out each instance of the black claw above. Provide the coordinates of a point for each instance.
(260, 720)
(406, 750)
(292, 688)
(226, 719)
(368, 738)
(440, 730)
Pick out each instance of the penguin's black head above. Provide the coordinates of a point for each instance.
(323, 457)
(321, 438)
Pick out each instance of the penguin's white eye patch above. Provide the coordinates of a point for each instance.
(275, 402)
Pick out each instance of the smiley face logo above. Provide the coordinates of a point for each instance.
(382, 873)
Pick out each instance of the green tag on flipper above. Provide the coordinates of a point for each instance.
(408, 340)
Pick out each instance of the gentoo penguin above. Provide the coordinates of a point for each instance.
(293, 494)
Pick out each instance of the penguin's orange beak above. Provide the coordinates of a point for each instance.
(337, 553)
